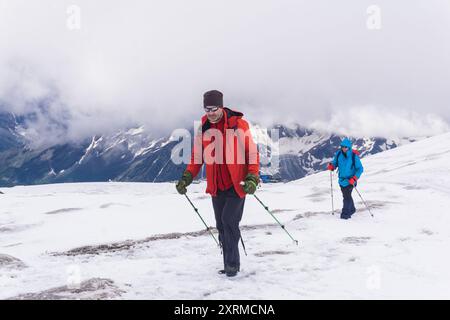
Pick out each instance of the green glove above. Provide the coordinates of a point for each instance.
(186, 179)
(250, 183)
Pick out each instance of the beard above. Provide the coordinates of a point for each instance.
(215, 118)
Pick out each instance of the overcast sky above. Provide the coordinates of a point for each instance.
(312, 62)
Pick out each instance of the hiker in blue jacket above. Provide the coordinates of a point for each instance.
(350, 169)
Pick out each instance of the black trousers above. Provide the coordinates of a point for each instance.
(228, 209)
(349, 207)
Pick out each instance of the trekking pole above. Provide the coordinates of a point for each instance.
(207, 228)
(281, 225)
(364, 202)
(332, 196)
(243, 246)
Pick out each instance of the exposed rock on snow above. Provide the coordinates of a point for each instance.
(125, 245)
(12, 227)
(64, 210)
(131, 244)
(10, 262)
(356, 240)
(274, 252)
(310, 214)
(92, 289)
(112, 204)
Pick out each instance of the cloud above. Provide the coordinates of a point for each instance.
(381, 122)
(150, 61)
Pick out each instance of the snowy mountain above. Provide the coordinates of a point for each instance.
(305, 151)
(136, 154)
(128, 155)
(143, 241)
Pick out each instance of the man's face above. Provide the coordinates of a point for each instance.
(213, 113)
(344, 149)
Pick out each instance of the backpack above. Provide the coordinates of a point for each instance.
(354, 153)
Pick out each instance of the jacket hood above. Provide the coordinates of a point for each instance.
(231, 113)
(346, 143)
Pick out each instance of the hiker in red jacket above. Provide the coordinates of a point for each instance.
(225, 145)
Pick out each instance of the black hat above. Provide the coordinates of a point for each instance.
(213, 98)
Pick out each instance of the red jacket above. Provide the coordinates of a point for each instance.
(241, 156)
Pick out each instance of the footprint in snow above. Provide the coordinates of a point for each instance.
(356, 240)
(310, 214)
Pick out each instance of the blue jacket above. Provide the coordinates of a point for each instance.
(346, 169)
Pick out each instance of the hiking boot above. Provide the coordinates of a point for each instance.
(231, 271)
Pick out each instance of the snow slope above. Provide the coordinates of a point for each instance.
(144, 241)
